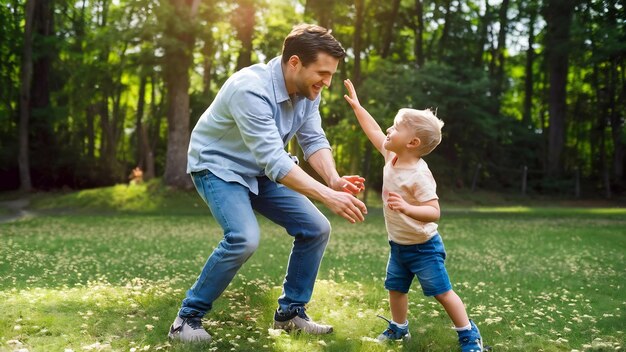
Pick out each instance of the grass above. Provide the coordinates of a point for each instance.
(105, 270)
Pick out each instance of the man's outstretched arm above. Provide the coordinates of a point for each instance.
(341, 203)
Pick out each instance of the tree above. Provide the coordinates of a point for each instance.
(418, 50)
(531, 11)
(25, 98)
(243, 21)
(497, 61)
(178, 58)
(558, 15)
(388, 26)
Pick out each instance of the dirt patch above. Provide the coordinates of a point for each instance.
(17, 209)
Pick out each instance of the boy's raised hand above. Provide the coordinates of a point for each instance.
(352, 98)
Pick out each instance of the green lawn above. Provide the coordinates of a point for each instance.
(106, 270)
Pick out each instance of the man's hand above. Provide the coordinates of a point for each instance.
(345, 205)
(334, 196)
(353, 184)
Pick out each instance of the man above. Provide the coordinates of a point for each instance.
(239, 165)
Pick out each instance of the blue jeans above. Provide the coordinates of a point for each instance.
(424, 260)
(233, 206)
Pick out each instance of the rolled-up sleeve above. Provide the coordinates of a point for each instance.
(253, 114)
(311, 136)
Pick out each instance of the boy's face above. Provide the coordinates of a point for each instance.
(310, 80)
(399, 137)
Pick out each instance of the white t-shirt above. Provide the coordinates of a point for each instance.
(416, 185)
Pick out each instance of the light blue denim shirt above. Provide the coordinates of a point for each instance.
(243, 133)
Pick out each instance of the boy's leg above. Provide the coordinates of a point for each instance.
(470, 339)
(398, 328)
(455, 308)
(399, 304)
(430, 270)
(397, 282)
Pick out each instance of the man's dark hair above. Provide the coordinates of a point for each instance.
(307, 40)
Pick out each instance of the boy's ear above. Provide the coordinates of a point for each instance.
(414, 143)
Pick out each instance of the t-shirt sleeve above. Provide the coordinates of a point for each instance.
(425, 186)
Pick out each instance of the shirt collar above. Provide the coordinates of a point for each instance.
(278, 80)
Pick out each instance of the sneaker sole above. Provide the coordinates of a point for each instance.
(176, 337)
(404, 338)
(290, 326)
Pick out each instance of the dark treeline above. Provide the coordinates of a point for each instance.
(532, 92)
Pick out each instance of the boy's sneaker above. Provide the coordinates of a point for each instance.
(470, 340)
(393, 332)
(297, 320)
(188, 330)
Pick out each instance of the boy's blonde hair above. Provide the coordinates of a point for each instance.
(425, 124)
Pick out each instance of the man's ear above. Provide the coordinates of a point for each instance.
(294, 61)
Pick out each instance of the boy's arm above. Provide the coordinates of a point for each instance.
(367, 122)
(424, 212)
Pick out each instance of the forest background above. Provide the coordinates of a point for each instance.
(532, 92)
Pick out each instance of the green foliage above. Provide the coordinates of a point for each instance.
(149, 197)
(99, 52)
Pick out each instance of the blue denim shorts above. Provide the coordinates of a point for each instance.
(424, 260)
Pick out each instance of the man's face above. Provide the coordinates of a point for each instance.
(310, 80)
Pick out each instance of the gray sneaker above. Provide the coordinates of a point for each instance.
(297, 320)
(188, 330)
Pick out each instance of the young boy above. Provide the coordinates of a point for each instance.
(411, 211)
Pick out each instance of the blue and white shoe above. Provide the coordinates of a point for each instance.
(394, 332)
(470, 340)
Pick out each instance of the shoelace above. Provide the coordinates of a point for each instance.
(383, 318)
(389, 331)
(194, 323)
(302, 314)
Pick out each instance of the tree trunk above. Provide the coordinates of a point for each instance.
(419, 34)
(153, 130)
(26, 81)
(43, 27)
(243, 20)
(177, 83)
(208, 52)
(616, 102)
(558, 15)
(445, 32)
(178, 59)
(359, 6)
(143, 147)
(497, 76)
(530, 59)
(320, 10)
(390, 22)
(90, 114)
(485, 22)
